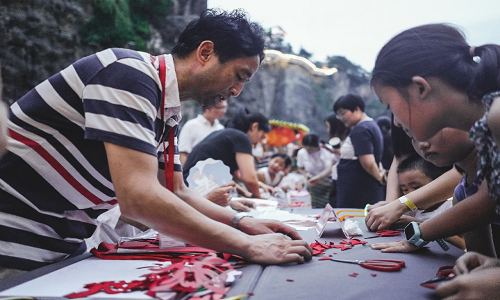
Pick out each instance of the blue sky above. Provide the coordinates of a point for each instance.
(357, 29)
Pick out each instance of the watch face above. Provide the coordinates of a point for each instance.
(409, 231)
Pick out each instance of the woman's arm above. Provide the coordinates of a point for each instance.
(370, 165)
(393, 191)
(246, 165)
(324, 173)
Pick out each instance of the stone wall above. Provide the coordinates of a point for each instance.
(40, 37)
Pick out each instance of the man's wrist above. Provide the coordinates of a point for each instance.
(235, 221)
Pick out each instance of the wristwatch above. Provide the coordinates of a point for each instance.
(412, 233)
(237, 217)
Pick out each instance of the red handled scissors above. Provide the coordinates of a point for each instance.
(444, 273)
(384, 233)
(386, 265)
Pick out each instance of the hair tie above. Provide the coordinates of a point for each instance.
(472, 51)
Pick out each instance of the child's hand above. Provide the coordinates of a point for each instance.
(242, 205)
(401, 246)
(474, 261)
(403, 221)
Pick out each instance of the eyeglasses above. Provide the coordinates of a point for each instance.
(221, 108)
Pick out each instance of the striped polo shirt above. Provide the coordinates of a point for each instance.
(54, 179)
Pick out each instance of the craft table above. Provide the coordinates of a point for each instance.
(313, 280)
(330, 280)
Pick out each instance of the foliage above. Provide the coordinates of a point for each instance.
(123, 23)
(341, 63)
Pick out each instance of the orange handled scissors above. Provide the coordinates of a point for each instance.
(386, 265)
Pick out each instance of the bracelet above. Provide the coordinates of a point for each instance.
(237, 217)
(405, 200)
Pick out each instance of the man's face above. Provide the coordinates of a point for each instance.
(217, 82)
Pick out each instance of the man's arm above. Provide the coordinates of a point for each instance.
(142, 198)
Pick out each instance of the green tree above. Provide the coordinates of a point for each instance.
(113, 24)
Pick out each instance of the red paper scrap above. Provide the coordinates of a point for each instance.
(353, 274)
(373, 275)
(289, 280)
(343, 247)
(357, 242)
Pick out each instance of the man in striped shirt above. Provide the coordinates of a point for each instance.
(95, 134)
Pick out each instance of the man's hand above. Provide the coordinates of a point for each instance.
(259, 226)
(473, 261)
(380, 218)
(401, 246)
(277, 248)
(221, 195)
(478, 284)
(242, 205)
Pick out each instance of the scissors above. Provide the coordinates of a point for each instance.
(444, 273)
(384, 233)
(386, 265)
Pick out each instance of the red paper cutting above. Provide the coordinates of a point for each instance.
(186, 276)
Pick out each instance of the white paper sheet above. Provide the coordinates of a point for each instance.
(72, 278)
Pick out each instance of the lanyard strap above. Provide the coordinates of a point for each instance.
(169, 160)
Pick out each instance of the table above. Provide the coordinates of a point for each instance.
(313, 280)
(331, 280)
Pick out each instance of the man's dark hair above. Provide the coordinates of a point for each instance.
(349, 102)
(233, 35)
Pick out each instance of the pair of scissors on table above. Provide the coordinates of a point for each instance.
(444, 273)
(384, 233)
(386, 265)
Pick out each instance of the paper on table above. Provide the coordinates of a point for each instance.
(89, 270)
(299, 222)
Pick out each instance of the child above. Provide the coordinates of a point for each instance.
(430, 78)
(413, 173)
(278, 165)
(315, 163)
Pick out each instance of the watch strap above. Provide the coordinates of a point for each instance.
(443, 244)
(406, 201)
(237, 217)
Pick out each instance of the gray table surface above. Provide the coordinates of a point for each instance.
(330, 280)
(317, 279)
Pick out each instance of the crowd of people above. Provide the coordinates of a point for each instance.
(105, 132)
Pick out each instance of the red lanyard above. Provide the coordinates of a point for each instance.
(169, 161)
